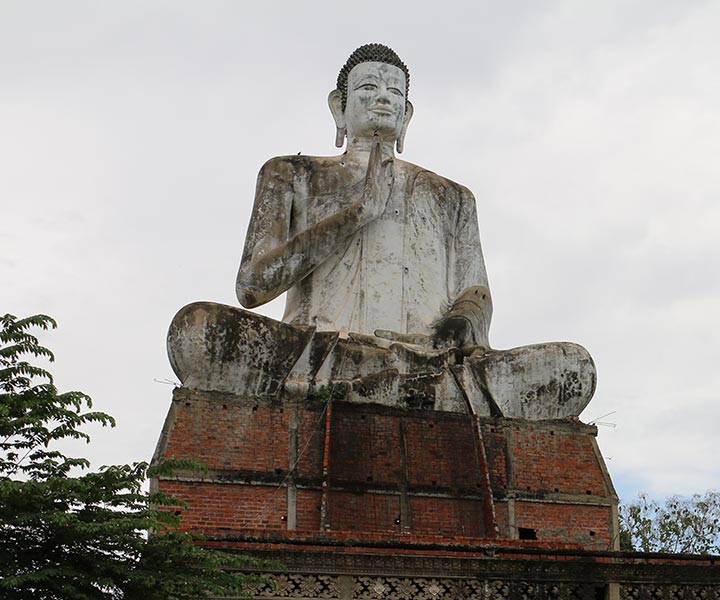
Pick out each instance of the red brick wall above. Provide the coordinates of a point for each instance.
(429, 453)
(363, 512)
(443, 453)
(495, 452)
(308, 510)
(227, 435)
(555, 461)
(447, 516)
(379, 461)
(311, 436)
(219, 506)
(364, 447)
(586, 525)
(543, 459)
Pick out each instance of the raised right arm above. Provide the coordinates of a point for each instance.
(273, 260)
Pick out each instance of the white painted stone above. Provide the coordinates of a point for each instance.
(385, 279)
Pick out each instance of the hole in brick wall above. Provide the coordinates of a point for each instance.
(433, 482)
(527, 533)
(224, 406)
(552, 432)
(278, 471)
(592, 534)
(283, 518)
(431, 425)
(187, 404)
(588, 492)
(178, 513)
(255, 408)
(397, 521)
(282, 410)
(557, 489)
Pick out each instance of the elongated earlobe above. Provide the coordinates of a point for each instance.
(400, 142)
(340, 133)
(335, 104)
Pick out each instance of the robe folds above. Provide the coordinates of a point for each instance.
(401, 272)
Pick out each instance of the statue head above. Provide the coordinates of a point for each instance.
(371, 96)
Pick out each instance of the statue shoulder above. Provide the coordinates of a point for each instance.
(435, 184)
(296, 165)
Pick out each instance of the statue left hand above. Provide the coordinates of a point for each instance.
(452, 332)
(417, 339)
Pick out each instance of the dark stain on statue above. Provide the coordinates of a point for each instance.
(571, 387)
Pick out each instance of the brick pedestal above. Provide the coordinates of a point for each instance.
(364, 502)
(320, 466)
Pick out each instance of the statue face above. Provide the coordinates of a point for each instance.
(375, 101)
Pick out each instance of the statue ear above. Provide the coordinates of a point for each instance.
(335, 104)
(400, 143)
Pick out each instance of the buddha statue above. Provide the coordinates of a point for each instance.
(387, 292)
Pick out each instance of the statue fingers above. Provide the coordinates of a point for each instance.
(375, 162)
(418, 339)
(389, 165)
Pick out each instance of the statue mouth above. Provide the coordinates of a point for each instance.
(381, 110)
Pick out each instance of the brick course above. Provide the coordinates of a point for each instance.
(387, 472)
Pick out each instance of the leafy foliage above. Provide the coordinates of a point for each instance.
(66, 533)
(688, 525)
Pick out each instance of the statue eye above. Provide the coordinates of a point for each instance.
(367, 87)
(395, 91)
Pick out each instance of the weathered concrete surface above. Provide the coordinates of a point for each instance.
(398, 272)
(544, 381)
(365, 241)
(387, 292)
(221, 348)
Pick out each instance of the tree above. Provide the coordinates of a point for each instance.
(67, 533)
(688, 525)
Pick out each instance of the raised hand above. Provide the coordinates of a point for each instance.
(378, 182)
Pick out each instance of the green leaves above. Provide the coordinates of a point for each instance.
(32, 412)
(70, 534)
(687, 525)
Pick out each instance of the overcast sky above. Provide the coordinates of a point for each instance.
(131, 134)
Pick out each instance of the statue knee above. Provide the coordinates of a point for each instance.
(542, 381)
